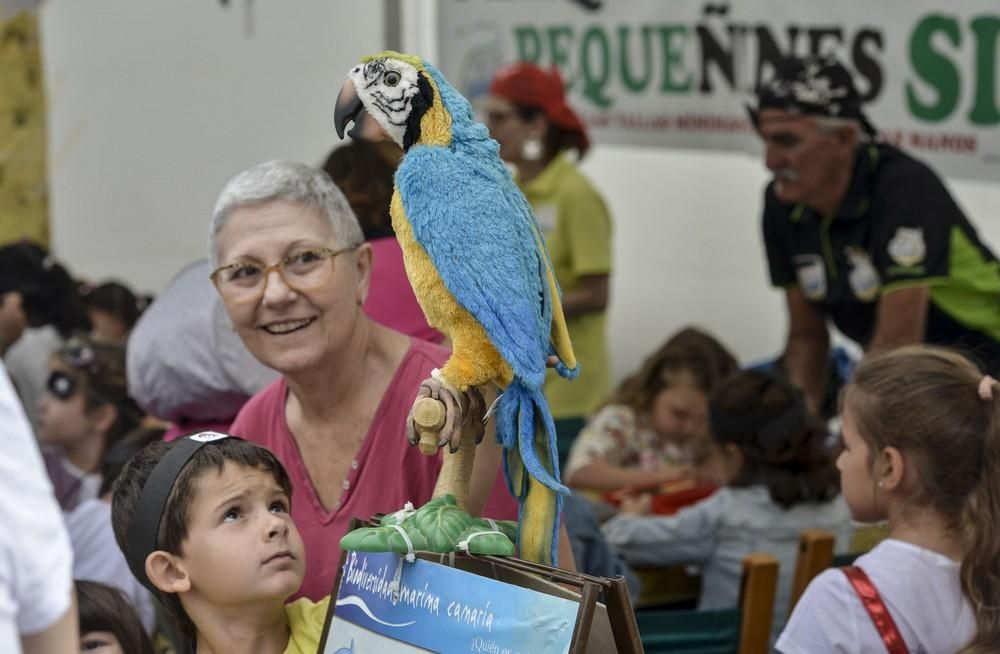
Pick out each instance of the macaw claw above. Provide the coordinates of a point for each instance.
(462, 412)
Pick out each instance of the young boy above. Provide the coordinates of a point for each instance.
(204, 523)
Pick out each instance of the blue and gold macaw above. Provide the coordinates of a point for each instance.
(475, 256)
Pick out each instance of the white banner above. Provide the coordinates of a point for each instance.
(678, 73)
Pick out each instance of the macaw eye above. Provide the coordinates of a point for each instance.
(391, 78)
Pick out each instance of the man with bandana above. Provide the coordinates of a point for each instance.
(863, 235)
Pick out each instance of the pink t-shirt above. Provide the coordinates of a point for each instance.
(374, 484)
(391, 301)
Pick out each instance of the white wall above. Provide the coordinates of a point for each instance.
(154, 104)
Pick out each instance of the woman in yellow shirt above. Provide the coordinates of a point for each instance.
(528, 115)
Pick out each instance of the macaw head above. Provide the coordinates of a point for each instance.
(398, 96)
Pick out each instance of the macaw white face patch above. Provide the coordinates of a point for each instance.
(907, 247)
(386, 88)
(863, 277)
(811, 274)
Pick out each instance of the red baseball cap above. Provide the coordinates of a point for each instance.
(528, 85)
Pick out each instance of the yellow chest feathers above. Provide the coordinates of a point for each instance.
(437, 302)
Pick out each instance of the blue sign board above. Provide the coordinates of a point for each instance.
(427, 607)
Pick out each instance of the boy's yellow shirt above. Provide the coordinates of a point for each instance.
(305, 624)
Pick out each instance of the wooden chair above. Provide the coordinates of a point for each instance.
(743, 630)
(815, 556)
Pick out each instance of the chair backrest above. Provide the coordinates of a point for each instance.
(815, 556)
(760, 584)
(844, 560)
(742, 630)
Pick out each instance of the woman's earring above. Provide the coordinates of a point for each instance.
(532, 148)
(881, 484)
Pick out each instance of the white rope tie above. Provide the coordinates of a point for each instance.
(410, 556)
(396, 585)
(464, 545)
(403, 513)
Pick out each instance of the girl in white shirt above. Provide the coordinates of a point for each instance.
(921, 429)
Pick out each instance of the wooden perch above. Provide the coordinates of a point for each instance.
(456, 471)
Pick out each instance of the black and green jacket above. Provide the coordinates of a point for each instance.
(897, 227)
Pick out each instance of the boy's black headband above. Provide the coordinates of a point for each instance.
(149, 510)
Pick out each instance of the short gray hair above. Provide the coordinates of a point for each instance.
(833, 123)
(291, 181)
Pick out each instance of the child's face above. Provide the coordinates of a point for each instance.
(242, 547)
(857, 482)
(679, 413)
(100, 642)
(62, 412)
(107, 326)
(13, 322)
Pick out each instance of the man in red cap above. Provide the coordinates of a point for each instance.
(528, 115)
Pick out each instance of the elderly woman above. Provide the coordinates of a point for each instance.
(293, 271)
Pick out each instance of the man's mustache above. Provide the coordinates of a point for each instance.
(786, 174)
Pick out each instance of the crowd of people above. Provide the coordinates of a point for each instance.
(178, 471)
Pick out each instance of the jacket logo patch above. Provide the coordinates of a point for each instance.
(811, 275)
(907, 247)
(863, 277)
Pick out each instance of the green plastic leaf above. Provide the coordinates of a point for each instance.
(508, 528)
(441, 522)
(381, 539)
(488, 542)
(438, 526)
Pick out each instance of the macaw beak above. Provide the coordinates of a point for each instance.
(350, 110)
(347, 110)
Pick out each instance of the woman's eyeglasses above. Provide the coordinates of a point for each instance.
(304, 270)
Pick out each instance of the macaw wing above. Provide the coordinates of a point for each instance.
(479, 232)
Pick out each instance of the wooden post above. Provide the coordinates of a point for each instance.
(456, 471)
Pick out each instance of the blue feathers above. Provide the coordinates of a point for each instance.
(477, 229)
(484, 242)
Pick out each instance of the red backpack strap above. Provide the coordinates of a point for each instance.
(872, 601)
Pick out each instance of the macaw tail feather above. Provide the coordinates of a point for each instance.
(528, 434)
(567, 372)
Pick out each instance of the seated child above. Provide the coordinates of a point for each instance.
(96, 556)
(778, 478)
(108, 623)
(85, 410)
(113, 309)
(204, 523)
(921, 429)
(652, 428)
